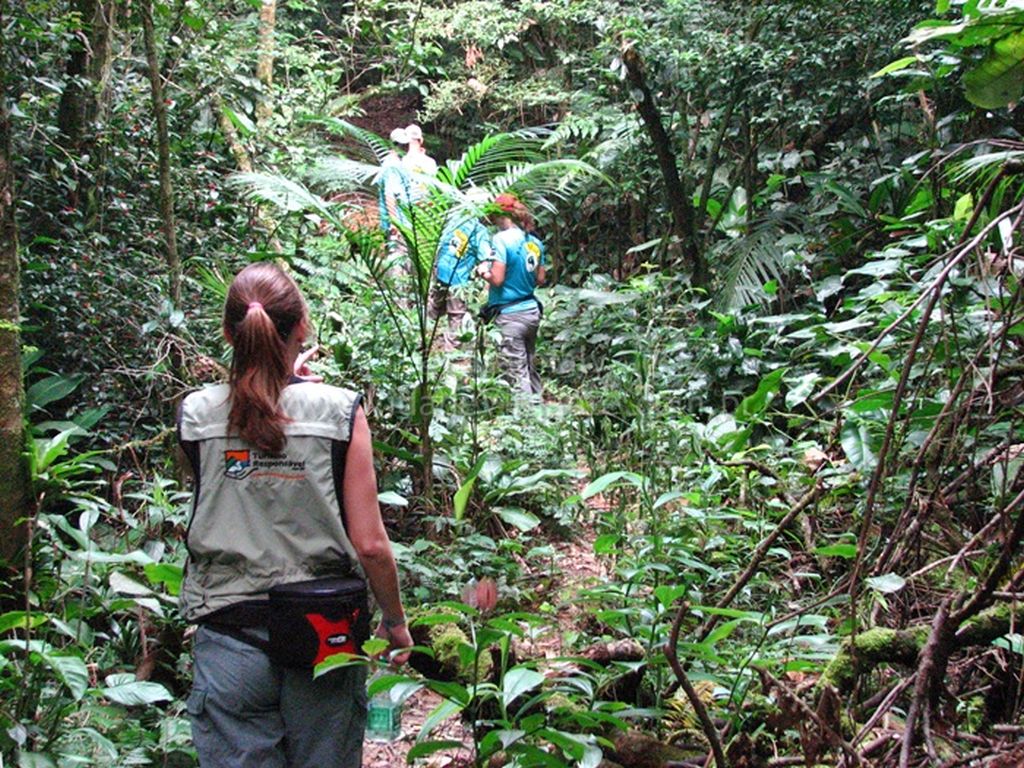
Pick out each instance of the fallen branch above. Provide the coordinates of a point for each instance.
(759, 554)
(698, 706)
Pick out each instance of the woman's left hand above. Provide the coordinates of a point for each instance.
(301, 367)
(398, 638)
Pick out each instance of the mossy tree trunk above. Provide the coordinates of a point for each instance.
(14, 481)
(265, 63)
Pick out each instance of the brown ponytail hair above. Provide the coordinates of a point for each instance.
(511, 206)
(263, 309)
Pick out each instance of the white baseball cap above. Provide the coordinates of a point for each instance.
(414, 132)
(400, 136)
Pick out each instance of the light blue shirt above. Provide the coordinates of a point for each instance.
(462, 245)
(391, 184)
(521, 254)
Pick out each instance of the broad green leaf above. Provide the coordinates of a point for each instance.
(21, 620)
(999, 79)
(51, 389)
(375, 645)
(438, 715)
(128, 586)
(604, 482)
(667, 498)
(856, 440)
(71, 671)
(964, 207)
(849, 551)
(342, 660)
(240, 120)
(732, 613)
(392, 499)
(518, 518)
(517, 681)
(754, 404)
(896, 66)
(382, 682)
(428, 748)
(451, 691)
(1012, 642)
(49, 450)
(462, 495)
(168, 574)
(606, 544)
(889, 582)
(816, 621)
(667, 595)
(801, 389)
(125, 689)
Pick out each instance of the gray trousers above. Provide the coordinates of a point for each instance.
(516, 353)
(250, 713)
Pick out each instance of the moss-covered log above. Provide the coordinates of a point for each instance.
(902, 646)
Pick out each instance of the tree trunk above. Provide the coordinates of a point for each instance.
(265, 63)
(164, 154)
(678, 196)
(97, 108)
(14, 482)
(71, 112)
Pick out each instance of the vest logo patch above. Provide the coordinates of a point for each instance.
(240, 463)
(237, 464)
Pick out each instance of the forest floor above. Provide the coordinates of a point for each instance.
(577, 568)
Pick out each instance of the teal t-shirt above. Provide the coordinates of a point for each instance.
(521, 254)
(462, 245)
(392, 182)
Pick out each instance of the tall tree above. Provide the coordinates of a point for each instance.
(265, 63)
(676, 192)
(163, 153)
(14, 489)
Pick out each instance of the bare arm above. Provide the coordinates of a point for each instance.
(540, 274)
(494, 273)
(368, 536)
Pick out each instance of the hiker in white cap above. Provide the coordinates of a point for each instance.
(417, 162)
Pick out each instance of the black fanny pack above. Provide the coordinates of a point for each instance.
(491, 311)
(307, 621)
(310, 621)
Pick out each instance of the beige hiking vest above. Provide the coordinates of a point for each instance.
(262, 519)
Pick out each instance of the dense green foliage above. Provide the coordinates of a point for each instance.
(781, 466)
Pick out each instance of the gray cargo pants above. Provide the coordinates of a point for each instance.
(518, 341)
(249, 713)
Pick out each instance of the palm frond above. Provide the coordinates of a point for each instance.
(366, 144)
(986, 165)
(539, 184)
(341, 173)
(288, 195)
(492, 155)
(757, 258)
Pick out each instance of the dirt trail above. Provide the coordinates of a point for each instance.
(576, 567)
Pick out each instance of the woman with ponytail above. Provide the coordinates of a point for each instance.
(513, 275)
(285, 496)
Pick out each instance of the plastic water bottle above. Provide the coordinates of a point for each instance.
(384, 718)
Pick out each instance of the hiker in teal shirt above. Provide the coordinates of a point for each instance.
(463, 244)
(515, 271)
